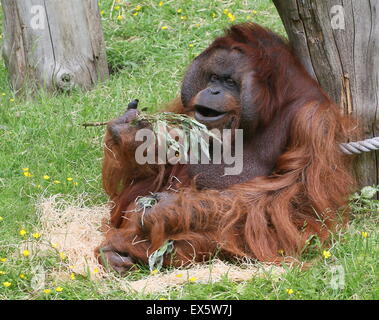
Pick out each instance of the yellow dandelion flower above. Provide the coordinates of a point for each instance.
(164, 28)
(254, 11)
(183, 17)
(58, 289)
(26, 253)
(7, 284)
(96, 270)
(71, 267)
(3, 259)
(179, 10)
(179, 275)
(226, 11)
(289, 291)
(231, 17)
(70, 179)
(54, 245)
(364, 234)
(192, 279)
(1, 218)
(47, 291)
(22, 276)
(155, 271)
(25, 169)
(62, 255)
(326, 254)
(161, 3)
(75, 183)
(3, 94)
(36, 235)
(248, 17)
(119, 18)
(22, 232)
(72, 276)
(27, 174)
(11, 100)
(102, 12)
(117, 8)
(214, 15)
(162, 298)
(56, 182)
(2, 273)
(46, 177)
(135, 14)
(138, 8)
(191, 45)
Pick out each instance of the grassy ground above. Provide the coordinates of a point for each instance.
(149, 44)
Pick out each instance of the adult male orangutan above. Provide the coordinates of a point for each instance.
(294, 183)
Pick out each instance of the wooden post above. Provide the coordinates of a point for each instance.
(53, 44)
(338, 42)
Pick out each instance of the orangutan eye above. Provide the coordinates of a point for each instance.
(230, 82)
(214, 78)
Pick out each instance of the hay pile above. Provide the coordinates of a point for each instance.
(75, 230)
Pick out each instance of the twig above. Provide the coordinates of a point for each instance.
(94, 124)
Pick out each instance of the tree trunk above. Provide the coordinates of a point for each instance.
(338, 43)
(53, 44)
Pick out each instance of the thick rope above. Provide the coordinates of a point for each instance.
(358, 147)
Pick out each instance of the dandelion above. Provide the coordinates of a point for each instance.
(11, 100)
(192, 279)
(3, 94)
(161, 3)
(179, 275)
(46, 177)
(75, 183)
(226, 11)
(138, 8)
(1, 218)
(25, 169)
(179, 10)
(36, 235)
(62, 255)
(22, 232)
(2, 273)
(119, 18)
(135, 14)
(155, 271)
(326, 254)
(183, 17)
(117, 8)
(56, 182)
(231, 17)
(214, 15)
(254, 11)
(47, 291)
(27, 174)
(290, 291)
(364, 234)
(22, 276)
(58, 289)
(3, 259)
(96, 270)
(7, 284)
(164, 28)
(102, 12)
(72, 276)
(26, 253)
(54, 245)
(191, 45)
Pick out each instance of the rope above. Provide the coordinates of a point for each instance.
(358, 147)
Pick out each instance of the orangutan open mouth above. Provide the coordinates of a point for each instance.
(203, 113)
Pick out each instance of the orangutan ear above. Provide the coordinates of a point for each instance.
(195, 80)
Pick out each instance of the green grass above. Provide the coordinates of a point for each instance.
(44, 135)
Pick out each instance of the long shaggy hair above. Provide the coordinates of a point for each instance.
(267, 217)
